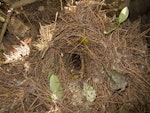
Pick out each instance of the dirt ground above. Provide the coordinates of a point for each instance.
(44, 38)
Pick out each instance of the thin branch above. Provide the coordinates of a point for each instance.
(15, 5)
(21, 3)
(5, 25)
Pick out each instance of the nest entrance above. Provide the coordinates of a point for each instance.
(75, 62)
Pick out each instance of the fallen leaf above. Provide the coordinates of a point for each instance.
(85, 41)
(89, 92)
(123, 15)
(56, 87)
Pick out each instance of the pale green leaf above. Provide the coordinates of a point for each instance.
(89, 92)
(123, 15)
(56, 87)
(85, 41)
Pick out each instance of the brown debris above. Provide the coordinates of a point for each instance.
(77, 62)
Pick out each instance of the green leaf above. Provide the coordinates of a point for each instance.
(123, 15)
(85, 41)
(89, 92)
(56, 87)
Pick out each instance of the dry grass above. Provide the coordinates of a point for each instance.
(122, 50)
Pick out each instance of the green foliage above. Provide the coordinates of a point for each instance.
(122, 18)
(55, 87)
(123, 15)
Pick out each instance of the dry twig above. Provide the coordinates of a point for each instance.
(15, 5)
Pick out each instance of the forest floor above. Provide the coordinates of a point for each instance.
(99, 73)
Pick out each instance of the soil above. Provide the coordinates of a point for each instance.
(44, 39)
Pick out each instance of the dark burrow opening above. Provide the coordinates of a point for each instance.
(74, 63)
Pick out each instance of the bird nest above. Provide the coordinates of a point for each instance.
(79, 52)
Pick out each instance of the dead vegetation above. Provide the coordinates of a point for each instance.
(77, 51)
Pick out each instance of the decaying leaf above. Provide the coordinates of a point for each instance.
(76, 90)
(18, 27)
(126, 108)
(89, 92)
(117, 81)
